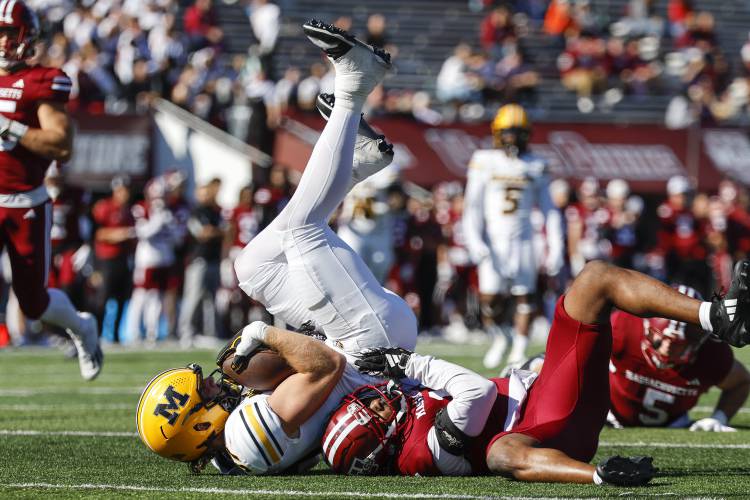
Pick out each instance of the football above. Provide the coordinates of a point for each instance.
(264, 372)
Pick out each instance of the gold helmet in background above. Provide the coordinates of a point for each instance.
(511, 129)
(173, 419)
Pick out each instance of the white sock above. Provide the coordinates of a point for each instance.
(704, 313)
(518, 351)
(60, 311)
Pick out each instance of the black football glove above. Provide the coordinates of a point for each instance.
(626, 471)
(389, 362)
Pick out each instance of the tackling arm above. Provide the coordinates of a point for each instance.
(54, 137)
(318, 367)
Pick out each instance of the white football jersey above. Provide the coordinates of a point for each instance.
(256, 442)
(501, 193)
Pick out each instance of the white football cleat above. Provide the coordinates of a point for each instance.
(494, 356)
(359, 67)
(372, 152)
(90, 356)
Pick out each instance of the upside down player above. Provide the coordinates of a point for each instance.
(547, 430)
(35, 129)
(659, 368)
(301, 271)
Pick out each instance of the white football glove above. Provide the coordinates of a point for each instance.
(711, 424)
(253, 336)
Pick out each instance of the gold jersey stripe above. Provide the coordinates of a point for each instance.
(261, 434)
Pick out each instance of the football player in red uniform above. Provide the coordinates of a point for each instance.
(532, 428)
(35, 130)
(659, 368)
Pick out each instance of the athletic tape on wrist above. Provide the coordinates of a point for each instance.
(17, 129)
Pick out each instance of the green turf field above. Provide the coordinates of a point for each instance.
(63, 437)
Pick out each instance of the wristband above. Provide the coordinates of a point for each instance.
(17, 129)
(720, 416)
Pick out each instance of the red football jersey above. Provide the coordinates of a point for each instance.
(20, 94)
(415, 457)
(108, 214)
(643, 395)
(245, 225)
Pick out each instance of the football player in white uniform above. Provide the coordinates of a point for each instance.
(503, 186)
(300, 271)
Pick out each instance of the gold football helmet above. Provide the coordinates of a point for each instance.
(511, 129)
(173, 418)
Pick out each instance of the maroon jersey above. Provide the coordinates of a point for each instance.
(108, 214)
(643, 395)
(245, 225)
(680, 233)
(415, 457)
(20, 95)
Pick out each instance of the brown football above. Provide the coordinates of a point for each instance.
(264, 372)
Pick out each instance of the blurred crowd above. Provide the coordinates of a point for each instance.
(159, 266)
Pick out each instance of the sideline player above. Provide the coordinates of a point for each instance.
(547, 430)
(659, 368)
(35, 130)
(503, 186)
(300, 270)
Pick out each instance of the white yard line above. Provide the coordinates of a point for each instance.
(37, 391)
(250, 492)
(26, 432)
(67, 407)
(612, 444)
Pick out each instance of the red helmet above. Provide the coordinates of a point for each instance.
(21, 24)
(684, 340)
(358, 441)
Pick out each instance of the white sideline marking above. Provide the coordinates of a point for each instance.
(57, 390)
(57, 408)
(636, 444)
(222, 491)
(711, 409)
(632, 444)
(23, 432)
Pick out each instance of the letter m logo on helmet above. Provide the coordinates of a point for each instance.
(175, 401)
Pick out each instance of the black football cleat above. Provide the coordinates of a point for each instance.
(729, 314)
(325, 102)
(372, 152)
(336, 42)
(626, 471)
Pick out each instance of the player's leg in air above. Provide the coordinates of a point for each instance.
(567, 406)
(298, 267)
(27, 241)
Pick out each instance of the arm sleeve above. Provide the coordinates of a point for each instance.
(472, 395)
(472, 219)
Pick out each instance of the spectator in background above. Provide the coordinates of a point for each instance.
(497, 32)
(620, 230)
(678, 12)
(680, 237)
(735, 200)
(70, 229)
(376, 34)
(519, 78)
(585, 220)
(201, 25)
(559, 18)
(583, 68)
(113, 250)
(179, 206)
(265, 21)
(202, 275)
(154, 256)
(453, 82)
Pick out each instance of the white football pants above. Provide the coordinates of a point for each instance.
(300, 270)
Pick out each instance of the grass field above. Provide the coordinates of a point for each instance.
(62, 437)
